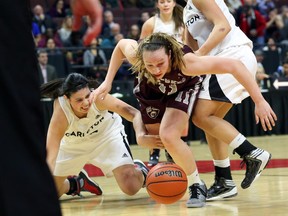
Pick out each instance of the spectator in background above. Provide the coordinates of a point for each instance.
(35, 30)
(36, 33)
(51, 47)
(94, 58)
(43, 20)
(107, 24)
(282, 70)
(108, 43)
(261, 76)
(65, 31)
(284, 14)
(274, 25)
(251, 22)
(57, 58)
(144, 17)
(50, 33)
(265, 6)
(59, 9)
(47, 71)
(75, 56)
(94, 55)
(272, 56)
(284, 31)
(134, 32)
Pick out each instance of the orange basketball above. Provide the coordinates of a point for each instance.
(166, 183)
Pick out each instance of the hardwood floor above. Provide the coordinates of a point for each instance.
(267, 196)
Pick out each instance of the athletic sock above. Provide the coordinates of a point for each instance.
(196, 178)
(222, 168)
(241, 145)
(245, 148)
(238, 140)
(73, 186)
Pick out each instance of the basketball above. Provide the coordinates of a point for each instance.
(166, 183)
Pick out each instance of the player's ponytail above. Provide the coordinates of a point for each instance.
(51, 89)
(73, 83)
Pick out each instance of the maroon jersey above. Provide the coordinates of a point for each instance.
(174, 90)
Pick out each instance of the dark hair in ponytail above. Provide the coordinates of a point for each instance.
(73, 83)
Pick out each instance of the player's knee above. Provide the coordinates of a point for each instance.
(131, 186)
(129, 181)
(130, 191)
(199, 120)
(168, 137)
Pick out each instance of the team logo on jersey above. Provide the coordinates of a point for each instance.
(152, 112)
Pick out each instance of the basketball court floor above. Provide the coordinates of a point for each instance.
(268, 196)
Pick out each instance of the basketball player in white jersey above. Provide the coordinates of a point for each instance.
(81, 132)
(168, 19)
(212, 31)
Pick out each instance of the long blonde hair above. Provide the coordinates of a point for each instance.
(155, 42)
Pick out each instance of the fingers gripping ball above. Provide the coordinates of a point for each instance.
(166, 183)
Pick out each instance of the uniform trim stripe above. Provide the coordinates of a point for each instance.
(125, 141)
(215, 90)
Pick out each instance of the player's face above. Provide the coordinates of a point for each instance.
(79, 102)
(166, 6)
(157, 62)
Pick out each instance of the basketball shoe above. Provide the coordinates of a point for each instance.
(221, 189)
(198, 195)
(154, 157)
(83, 182)
(255, 161)
(140, 165)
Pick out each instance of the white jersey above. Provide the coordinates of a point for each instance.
(83, 134)
(98, 139)
(168, 28)
(236, 45)
(200, 28)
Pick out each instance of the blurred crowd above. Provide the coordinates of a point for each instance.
(263, 21)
